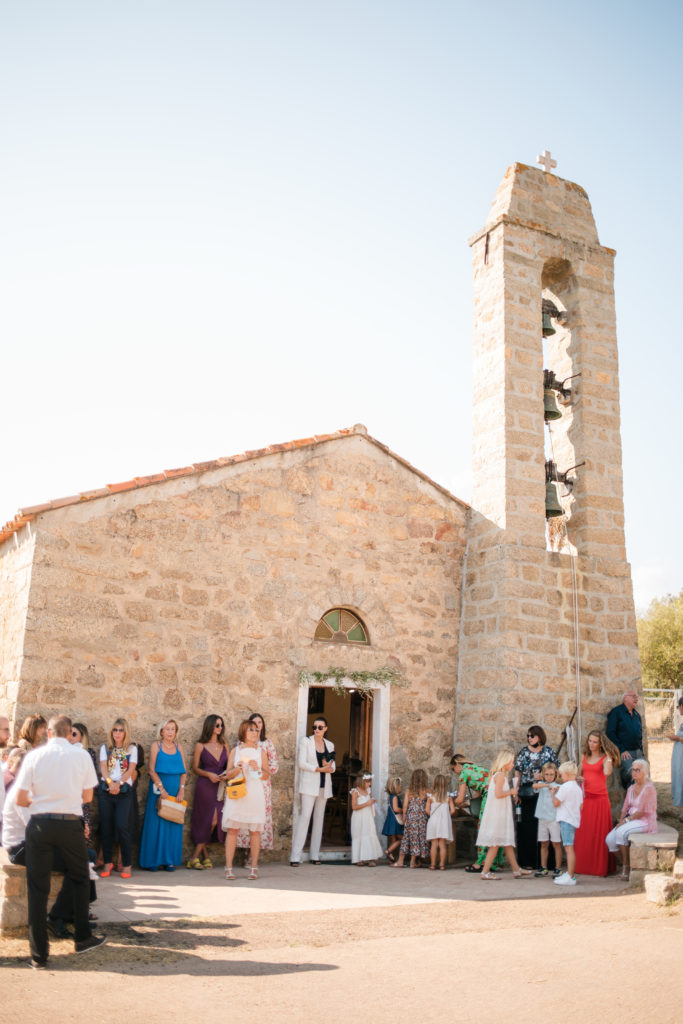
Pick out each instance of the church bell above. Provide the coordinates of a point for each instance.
(553, 505)
(548, 328)
(551, 410)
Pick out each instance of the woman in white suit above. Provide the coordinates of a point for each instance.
(316, 765)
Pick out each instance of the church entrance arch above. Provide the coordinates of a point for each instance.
(359, 729)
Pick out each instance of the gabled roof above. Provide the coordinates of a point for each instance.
(26, 515)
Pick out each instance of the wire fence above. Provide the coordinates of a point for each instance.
(662, 716)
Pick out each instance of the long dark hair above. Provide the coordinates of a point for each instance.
(208, 727)
(253, 717)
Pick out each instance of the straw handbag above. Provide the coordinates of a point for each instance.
(171, 809)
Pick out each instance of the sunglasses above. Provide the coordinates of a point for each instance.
(319, 728)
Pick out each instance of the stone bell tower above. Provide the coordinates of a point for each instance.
(536, 603)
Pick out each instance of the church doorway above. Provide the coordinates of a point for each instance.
(358, 725)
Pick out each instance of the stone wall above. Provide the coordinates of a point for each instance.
(15, 582)
(203, 594)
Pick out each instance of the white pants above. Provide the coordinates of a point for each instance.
(619, 835)
(310, 805)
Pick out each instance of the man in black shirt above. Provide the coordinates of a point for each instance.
(625, 729)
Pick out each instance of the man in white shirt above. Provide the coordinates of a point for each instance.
(54, 781)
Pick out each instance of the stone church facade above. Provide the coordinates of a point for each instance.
(201, 589)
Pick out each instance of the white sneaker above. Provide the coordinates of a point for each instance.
(564, 879)
(94, 877)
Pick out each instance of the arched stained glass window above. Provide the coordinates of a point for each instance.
(341, 626)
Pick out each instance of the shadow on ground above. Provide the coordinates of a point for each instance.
(196, 948)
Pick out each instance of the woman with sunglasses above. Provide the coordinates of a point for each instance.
(528, 764)
(209, 762)
(117, 764)
(316, 765)
(249, 761)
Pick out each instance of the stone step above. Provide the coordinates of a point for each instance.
(660, 888)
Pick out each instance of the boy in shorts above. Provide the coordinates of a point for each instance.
(568, 800)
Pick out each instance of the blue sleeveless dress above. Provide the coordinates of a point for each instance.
(162, 841)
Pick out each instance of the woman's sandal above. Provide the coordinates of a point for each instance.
(195, 863)
(390, 857)
(108, 868)
(489, 876)
(624, 876)
(206, 863)
(397, 865)
(522, 873)
(126, 872)
(229, 874)
(252, 874)
(474, 869)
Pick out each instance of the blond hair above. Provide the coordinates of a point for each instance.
(393, 786)
(126, 741)
(169, 721)
(440, 788)
(500, 760)
(569, 768)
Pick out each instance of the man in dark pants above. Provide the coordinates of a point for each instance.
(625, 729)
(55, 780)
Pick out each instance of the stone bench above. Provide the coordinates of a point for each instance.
(653, 851)
(14, 896)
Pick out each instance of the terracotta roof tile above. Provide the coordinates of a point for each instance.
(100, 492)
(33, 510)
(127, 485)
(25, 515)
(144, 481)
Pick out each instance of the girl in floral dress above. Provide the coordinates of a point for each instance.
(415, 819)
(271, 756)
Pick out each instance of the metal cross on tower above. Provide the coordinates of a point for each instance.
(546, 161)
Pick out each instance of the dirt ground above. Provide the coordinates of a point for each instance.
(613, 957)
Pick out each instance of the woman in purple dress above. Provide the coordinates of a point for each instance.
(209, 763)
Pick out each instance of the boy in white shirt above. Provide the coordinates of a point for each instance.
(568, 800)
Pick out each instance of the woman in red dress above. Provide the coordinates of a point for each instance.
(599, 758)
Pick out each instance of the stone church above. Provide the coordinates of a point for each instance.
(328, 575)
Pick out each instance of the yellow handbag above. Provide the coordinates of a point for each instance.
(236, 788)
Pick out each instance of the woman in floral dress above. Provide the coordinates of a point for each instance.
(474, 777)
(267, 746)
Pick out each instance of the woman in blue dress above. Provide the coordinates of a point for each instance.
(161, 845)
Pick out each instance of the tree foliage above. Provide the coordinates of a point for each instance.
(660, 638)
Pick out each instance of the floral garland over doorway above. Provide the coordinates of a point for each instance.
(363, 682)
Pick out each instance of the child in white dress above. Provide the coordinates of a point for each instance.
(365, 846)
(497, 827)
(440, 806)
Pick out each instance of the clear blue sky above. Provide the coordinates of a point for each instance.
(229, 224)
